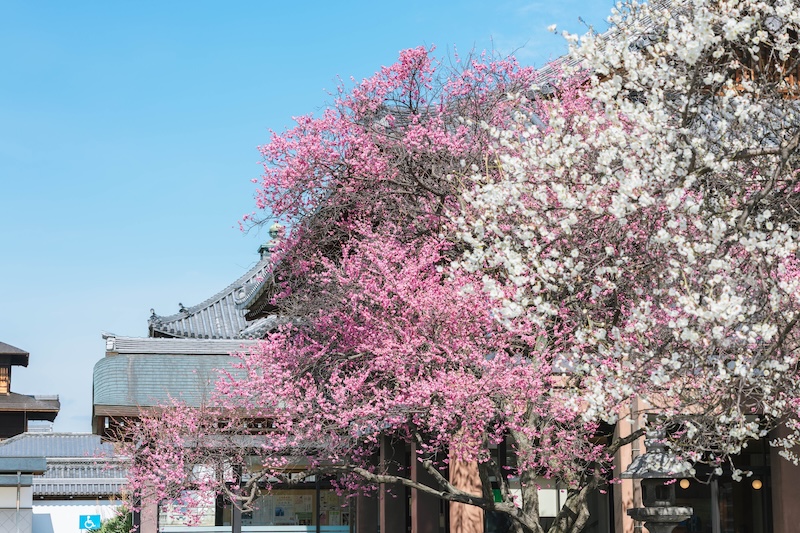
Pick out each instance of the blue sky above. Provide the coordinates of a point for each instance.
(128, 135)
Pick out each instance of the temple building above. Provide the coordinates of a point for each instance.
(179, 360)
(19, 411)
(184, 350)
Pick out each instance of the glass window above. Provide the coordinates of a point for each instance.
(295, 507)
(192, 508)
(5, 379)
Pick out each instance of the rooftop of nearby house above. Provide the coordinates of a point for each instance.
(78, 464)
(84, 446)
(11, 355)
(37, 407)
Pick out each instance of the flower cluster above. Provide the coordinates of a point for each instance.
(475, 260)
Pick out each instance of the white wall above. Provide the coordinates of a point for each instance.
(8, 497)
(63, 516)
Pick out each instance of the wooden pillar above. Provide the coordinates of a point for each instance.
(236, 510)
(367, 510)
(626, 493)
(148, 516)
(392, 498)
(424, 507)
(785, 497)
(465, 518)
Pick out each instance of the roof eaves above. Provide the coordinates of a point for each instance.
(217, 317)
(259, 267)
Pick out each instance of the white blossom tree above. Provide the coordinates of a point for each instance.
(651, 239)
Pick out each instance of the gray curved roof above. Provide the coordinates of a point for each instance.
(218, 317)
(152, 380)
(73, 478)
(149, 345)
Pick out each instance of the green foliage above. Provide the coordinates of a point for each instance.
(122, 523)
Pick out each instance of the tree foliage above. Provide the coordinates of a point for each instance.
(121, 523)
(472, 260)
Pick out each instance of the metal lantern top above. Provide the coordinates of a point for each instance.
(658, 469)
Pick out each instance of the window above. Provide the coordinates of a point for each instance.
(5, 379)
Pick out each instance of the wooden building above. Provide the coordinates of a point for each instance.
(17, 410)
(180, 359)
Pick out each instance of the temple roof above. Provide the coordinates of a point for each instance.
(152, 372)
(78, 464)
(123, 384)
(80, 478)
(118, 345)
(73, 445)
(13, 355)
(259, 302)
(220, 316)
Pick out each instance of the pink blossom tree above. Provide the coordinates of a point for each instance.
(471, 261)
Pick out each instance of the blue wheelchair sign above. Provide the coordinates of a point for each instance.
(89, 522)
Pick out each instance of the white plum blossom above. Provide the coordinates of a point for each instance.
(661, 203)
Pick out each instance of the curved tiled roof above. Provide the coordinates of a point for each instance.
(152, 380)
(259, 303)
(69, 477)
(218, 317)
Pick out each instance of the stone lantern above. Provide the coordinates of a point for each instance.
(658, 471)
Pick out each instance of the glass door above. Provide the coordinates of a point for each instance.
(723, 505)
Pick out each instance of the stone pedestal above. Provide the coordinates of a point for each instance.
(660, 519)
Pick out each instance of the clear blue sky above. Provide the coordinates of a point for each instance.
(128, 135)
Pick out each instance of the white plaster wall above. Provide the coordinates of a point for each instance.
(8, 497)
(63, 516)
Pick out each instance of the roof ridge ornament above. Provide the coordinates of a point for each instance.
(276, 232)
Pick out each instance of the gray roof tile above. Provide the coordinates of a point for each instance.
(152, 380)
(7, 349)
(78, 464)
(219, 317)
(32, 404)
(51, 445)
(159, 345)
(43, 487)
